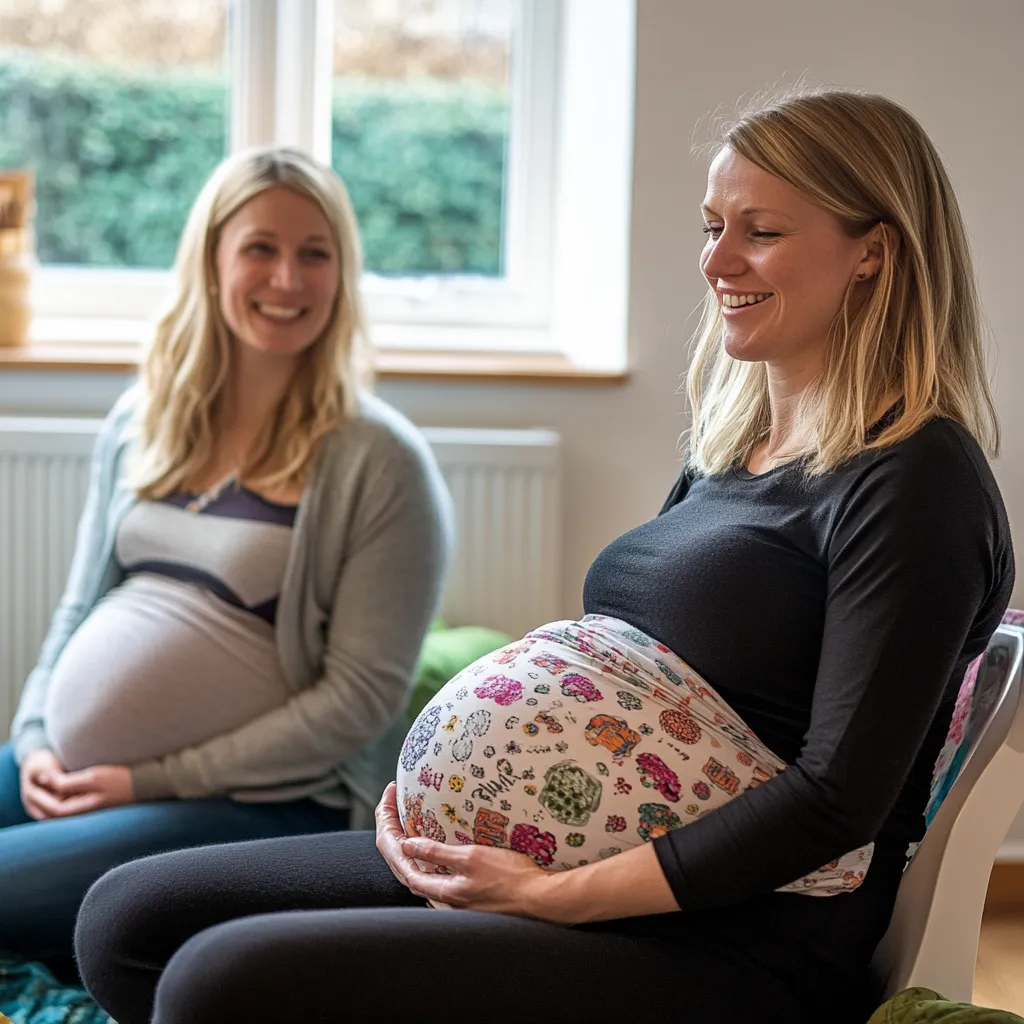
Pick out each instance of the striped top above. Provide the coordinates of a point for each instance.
(232, 542)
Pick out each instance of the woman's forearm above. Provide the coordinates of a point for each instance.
(631, 884)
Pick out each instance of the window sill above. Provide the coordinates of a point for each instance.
(397, 364)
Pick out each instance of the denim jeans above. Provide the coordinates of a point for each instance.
(47, 866)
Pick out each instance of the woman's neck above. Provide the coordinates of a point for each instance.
(254, 389)
(786, 387)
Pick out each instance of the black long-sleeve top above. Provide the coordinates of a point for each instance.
(837, 615)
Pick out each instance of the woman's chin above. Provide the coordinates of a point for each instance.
(743, 348)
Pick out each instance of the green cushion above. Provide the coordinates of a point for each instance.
(923, 1006)
(445, 653)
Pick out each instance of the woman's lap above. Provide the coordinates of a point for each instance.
(355, 945)
(46, 867)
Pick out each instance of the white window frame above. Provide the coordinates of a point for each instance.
(568, 179)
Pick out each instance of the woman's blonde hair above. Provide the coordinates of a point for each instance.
(917, 334)
(186, 367)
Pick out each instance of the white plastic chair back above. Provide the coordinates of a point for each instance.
(932, 939)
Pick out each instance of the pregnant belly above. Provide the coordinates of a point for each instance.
(569, 756)
(159, 666)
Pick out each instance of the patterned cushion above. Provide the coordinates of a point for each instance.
(982, 681)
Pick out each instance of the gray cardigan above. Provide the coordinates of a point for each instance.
(369, 551)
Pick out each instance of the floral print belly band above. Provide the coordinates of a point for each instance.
(580, 741)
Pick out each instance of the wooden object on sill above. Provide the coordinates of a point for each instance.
(15, 257)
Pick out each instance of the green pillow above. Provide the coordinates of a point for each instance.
(445, 653)
(924, 1006)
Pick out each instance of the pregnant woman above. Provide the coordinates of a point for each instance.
(258, 560)
(738, 736)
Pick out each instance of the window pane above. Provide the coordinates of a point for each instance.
(119, 107)
(420, 130)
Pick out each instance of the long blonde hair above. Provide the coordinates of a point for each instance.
(918, 334)
(185, 369)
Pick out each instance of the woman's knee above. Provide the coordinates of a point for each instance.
(232, 971)
(124, 917)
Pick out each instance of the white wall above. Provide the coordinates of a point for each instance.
(958, 66)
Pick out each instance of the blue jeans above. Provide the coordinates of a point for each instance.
(47, 866)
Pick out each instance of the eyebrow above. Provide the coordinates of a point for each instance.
(748, 211)
(256, 232)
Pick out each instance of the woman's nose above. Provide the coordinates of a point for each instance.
(722, 258)
(287, 274)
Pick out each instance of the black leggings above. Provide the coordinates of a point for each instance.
(316, 928)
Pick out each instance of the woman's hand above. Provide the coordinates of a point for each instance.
(475, 877)
(48, 791)
(93, 789)
(37, 774)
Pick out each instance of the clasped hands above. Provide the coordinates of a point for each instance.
(48, 791)
(473, 877)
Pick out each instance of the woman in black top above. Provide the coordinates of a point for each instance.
(833, 556)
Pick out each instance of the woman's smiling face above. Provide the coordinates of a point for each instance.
(779, 264)
(278, 272)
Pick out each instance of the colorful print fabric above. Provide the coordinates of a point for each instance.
(580, 741)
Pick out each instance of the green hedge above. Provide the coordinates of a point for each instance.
(119, 159)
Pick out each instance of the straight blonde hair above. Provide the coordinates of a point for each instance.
(917, 334)
(186, 367)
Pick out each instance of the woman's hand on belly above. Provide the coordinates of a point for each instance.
(48, 791)
(478, 877)
(92, 789)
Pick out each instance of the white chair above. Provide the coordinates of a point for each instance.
(932, 940)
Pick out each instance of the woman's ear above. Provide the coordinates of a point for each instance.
(881, 239)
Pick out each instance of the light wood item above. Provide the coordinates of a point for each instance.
(999, 981)
(932, 939)
(16, 192)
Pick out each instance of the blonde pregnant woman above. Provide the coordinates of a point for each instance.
(260, 554)
(832, 557)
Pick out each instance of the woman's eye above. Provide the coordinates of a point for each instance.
(317, 255)
(260, 248)
(712, 231)
(766, 234)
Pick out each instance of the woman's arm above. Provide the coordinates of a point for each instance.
(396, 552)
(28, 731)
(919, 572)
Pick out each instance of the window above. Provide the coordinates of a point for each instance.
(120, 109)
(456, 125)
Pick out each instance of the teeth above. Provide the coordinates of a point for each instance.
(278, 312)
(735, 301)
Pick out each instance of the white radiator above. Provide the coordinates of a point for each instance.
(505, 572)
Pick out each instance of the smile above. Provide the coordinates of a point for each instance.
(731, 301)
(280, 313)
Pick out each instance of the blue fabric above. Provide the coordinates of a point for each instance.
(29, 994)
(47, 866)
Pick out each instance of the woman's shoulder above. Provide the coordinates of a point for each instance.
(937, 474)
(379, 433)
(940, 454)
(114, 434)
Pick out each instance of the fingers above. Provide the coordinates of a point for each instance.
(390, 836)
(38, 802)
(432, 852)
(68, 784)
(79, 805)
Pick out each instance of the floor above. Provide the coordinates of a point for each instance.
(999, 979)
